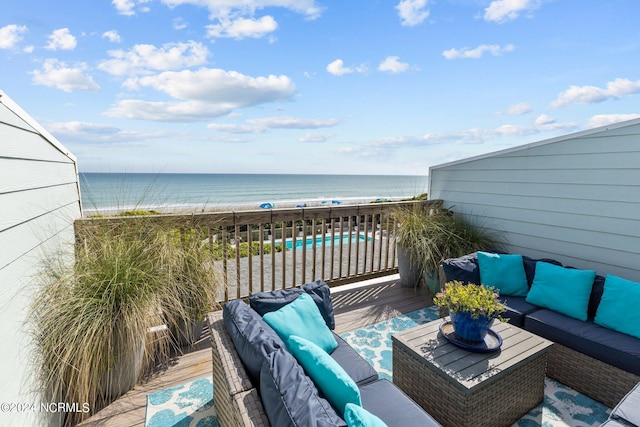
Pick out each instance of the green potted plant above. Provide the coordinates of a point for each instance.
(471, 307)
(427, 236)
(91, 315)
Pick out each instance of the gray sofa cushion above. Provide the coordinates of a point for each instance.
(629, 408)
(612, 347)
(251, 336)
(613, 423)
(464, 269)
(386, 401)
(266, 302)
(516, 309)
(357, 368)
(289, 396)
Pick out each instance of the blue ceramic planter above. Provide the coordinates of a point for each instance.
(468, 328)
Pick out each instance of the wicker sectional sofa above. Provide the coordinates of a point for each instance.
(257, 382)
(627, 413)
(599, 362)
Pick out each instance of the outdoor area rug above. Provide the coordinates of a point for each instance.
(186, 405)
(562, 406)
(191, 404)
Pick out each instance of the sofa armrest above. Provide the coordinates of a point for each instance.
(236, 401)
(629, 408)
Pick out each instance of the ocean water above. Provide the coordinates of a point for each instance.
(108, 192)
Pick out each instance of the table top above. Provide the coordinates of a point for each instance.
(468, 370)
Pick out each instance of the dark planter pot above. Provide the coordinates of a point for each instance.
(187, 332)
(470, 329)
(432, 279)
(410, 272)
(125, 371)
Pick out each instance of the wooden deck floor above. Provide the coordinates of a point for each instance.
(354, 305)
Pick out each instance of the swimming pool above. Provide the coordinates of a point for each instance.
(317, 242)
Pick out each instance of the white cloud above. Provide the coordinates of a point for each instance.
(85, 133)
(608, 119)
(393, 65)
(220, 86)
(179, 24)
(517, 109)
(203, 94)
(236, 19)
(544, 120)
(169, 111)
(315, 137)
(337, 68)
(507, 10)
(233, 128)
(68, 79)
(145, 58)
(478, 52)
(292, 123)
(75, 128)
(590, 94)
(112, 36)
(126, 7)
(61, 39)
(11, 35)
(412, 12)
(241, 28)
(263, 124)
(235, 8)
(470, 136)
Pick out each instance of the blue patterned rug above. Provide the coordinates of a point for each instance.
(191, 404)
(186, 405)
(562, 406)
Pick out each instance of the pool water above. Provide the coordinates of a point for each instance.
(317, 242)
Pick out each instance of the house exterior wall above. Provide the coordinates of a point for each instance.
(575, 198)
(39, 199)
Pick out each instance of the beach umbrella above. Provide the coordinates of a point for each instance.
(267, 205)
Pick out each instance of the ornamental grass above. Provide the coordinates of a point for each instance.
(92, 313)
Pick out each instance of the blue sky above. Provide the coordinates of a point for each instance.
(306, 86)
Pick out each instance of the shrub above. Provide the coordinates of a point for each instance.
(90, 317)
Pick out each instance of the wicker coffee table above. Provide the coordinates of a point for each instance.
(462, 388)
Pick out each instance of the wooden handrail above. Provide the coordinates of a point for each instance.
(339, 244)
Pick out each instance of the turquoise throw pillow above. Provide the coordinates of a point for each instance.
(618, 309)
(565, 290)
(302, 318)
(331, 378)
(503, 272)
(357, 416)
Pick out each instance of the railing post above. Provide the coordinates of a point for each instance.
(314, 236)
(261, 232)
(327, 223)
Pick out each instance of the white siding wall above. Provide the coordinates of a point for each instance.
(574, 198)
(39, 199)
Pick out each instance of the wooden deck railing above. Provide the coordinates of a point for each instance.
(273, 249)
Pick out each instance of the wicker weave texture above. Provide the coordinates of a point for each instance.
(598, 380)
(236, 401)
(498, 403)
